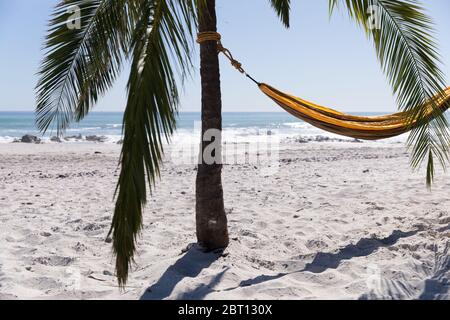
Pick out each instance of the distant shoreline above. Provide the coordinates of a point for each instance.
(236, 126)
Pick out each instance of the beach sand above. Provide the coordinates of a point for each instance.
(332, 221)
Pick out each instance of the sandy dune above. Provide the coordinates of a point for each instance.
(332, 221)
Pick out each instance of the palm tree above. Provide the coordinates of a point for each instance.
(156, 36)
(211, 220)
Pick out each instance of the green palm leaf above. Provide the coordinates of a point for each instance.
(409, 57)
(161, 43)
(282, 8)
(81, 63)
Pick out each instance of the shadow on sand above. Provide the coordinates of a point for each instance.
(364, 248)
(190, 265)
(324, 261)
(437, 287)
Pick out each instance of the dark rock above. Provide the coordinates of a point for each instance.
(301, 140)
(322, 139)
(30, 139)
(78, 137)
(55, 139)
(96, 138)
(120, 141)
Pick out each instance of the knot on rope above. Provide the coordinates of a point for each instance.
(215, 36)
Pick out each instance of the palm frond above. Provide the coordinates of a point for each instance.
(283, 9)
(409, 57)
(81, 63)
(162, 42)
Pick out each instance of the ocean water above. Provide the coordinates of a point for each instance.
(240, 127)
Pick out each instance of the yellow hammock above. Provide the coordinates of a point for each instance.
(365, 128)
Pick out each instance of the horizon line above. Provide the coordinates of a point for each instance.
(181, 112)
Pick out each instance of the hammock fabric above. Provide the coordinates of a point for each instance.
(365, 128)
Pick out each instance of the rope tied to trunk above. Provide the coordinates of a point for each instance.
(203, 37)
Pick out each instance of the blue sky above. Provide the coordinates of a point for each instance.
(328, 61)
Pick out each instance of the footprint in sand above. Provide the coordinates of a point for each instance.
(54, 261)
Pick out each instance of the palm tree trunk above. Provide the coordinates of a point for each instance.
(212, 232)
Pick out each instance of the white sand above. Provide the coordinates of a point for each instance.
(336, 221)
